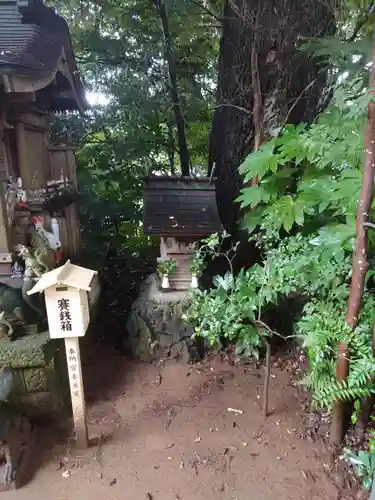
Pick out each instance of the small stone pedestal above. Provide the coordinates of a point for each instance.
(40, 378)
(155, 327)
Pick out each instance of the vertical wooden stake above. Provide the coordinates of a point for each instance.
(77, 394)
(267, 379)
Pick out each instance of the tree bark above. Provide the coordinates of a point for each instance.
(170, 57)
(360, 254)
(171, 149)
(258, 117)
(284, 72)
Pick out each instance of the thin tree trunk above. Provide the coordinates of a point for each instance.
(267, 373)
(171, 148)
(360, 256)
(338, 410)
(170, 57)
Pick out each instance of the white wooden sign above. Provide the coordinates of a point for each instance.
(65, 291)
(77, 394)
(67, 312)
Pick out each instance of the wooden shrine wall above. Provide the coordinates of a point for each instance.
(62, 162)
(32, 148)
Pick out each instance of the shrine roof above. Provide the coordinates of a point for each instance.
(67, 275)
(35, 45)
(180, 207)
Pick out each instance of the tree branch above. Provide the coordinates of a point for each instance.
(240, 108)
(207, 10)
(361, 22)
(294, 105)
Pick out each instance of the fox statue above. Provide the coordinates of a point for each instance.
(52, 239)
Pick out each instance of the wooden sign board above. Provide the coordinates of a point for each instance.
(66, 295)
(67, 312)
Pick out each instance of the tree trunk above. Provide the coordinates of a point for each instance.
(170, 57)
(360, 254)
(284, 73)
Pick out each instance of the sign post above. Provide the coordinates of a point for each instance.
(76, 391)
(65, 291)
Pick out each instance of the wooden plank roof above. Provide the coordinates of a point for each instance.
(180, 206)
(33, 39)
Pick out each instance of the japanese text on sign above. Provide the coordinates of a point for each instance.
(64, 314)
(72, 365)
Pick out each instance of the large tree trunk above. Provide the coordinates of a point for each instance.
(285, 75)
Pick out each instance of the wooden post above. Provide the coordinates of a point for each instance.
(73, 358)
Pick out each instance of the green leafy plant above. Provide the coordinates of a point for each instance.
(197, 266)
(321, 329)
(309, 267)
(167, 267)
(310, 175)
(364, 465)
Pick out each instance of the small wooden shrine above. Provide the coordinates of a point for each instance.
(38, 76)
(180, 210)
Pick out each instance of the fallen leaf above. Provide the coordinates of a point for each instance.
(113, 482)
(66, 474)
(182, 465)
(168, 446)
(198, 440)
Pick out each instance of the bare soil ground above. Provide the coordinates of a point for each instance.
(168, 435)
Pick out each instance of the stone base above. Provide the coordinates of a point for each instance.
(40, 388)
(155, 326)
(17, 454)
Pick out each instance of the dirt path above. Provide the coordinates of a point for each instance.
(171, 437)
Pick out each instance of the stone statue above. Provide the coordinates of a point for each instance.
(32, 301)
(39, 263)
(51, 239)
(7, 324)
(18, 307)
